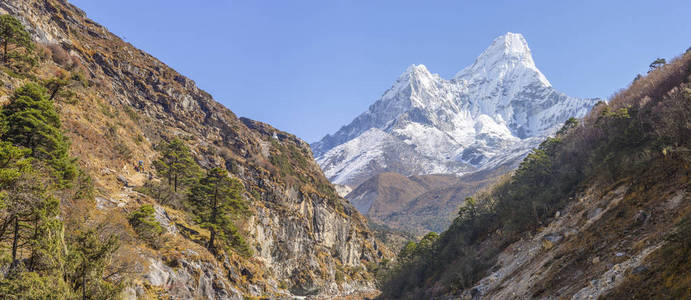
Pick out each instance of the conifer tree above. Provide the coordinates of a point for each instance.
(176, 164)
(656, 64)
(13, 163)
(214, 201)
(29, 222)
(88, 260)
(56, 83)
(12, 32)
(468, 210)
(144, 223)
(35, 168)
(31, 227)
(33, 123)
(407, 253)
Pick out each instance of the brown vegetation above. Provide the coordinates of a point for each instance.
(641, 135)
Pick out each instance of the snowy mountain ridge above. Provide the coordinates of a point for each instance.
(490, 113)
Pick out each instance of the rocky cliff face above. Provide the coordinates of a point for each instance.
(305, 238)
(488, 114)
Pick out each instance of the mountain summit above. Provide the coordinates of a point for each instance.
(505, 52)
(489, 114)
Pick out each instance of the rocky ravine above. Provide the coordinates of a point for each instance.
(306, 240)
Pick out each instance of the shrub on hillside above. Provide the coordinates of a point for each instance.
(640, 126)
(144, 223)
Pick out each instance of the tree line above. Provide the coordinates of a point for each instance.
(212, 197)
(42, 257)
(46, 254)
(641, 128)
(36, 172)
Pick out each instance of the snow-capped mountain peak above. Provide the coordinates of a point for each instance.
(415, 82)
(415, 78)
(491, 112)
(506, 53)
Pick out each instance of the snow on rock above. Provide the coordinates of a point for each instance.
(490, 113)
(343, 190)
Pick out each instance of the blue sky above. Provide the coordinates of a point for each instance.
(309, 67)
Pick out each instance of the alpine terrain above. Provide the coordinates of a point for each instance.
(599, 211)
(489, 113)
(488, 116)
(121, 179)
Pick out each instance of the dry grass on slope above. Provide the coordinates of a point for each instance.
(643, 132)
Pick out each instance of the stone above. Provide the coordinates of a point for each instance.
(123, 180)
(162, 218)
(641, 217)
(549, 240)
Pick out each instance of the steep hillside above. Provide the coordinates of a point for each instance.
(490, 113)
(600, 210)
(302, 238)
(417, 204)
(397, 189)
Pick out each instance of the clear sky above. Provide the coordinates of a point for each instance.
(309, 67)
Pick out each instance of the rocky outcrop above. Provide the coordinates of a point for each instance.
(305, 238)
(567, 258)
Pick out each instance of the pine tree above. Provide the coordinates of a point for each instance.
(56, 83)
(35, 168)
(215, 200)
(33, 123)
(468, 211)
(12, 32)
(88, 259)
(22, 284)
(13, 163)
(29, 224)
(407, 253)
(656, 64)
(144, 223)
(31, 227)
(176, 164)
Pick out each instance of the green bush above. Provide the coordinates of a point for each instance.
(144, 223)
(640, 128)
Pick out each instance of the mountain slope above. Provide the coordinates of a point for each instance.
(397, 189)
(491, 112)
(304, 238)
(600, 210)
(417, 204)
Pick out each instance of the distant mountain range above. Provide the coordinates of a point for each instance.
(497, 109)
(489, 115)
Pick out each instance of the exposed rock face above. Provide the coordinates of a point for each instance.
(302, 234)
(488, 114)
(191, 279)
(343, 190)
(568, 258)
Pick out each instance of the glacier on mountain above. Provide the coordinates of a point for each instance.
(493, 112)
